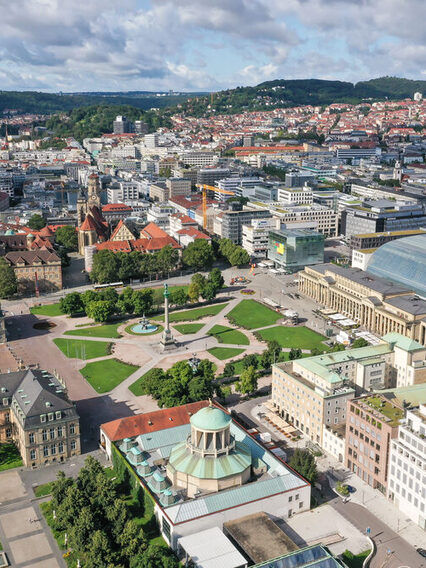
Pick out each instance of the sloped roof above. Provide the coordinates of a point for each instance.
(151, 421)
(152, 230)
(30, 257)
(88, 224)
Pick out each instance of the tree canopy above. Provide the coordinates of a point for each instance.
(36, 222)
(304, 463)
(8, 282)
(67, 237)
(198, 254)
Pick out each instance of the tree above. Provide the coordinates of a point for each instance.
(228, 370)
(99, 553)
(167, 259)
(295, 353)
(37, 222)
(71, 304)
(63, 255)
(209, 292)
(101, 310)
(59, 488)
(337, 347)
(266, 359)
(152, 382)
(316, 351)
(198, 254)
(67, 237)
(250, 361)
(125, 301)
(248, 381)
(108, 294)
(117, 514)
(142, 301)
(132, 540)
(206, 369)
(200, 388)
(199, 279)
(304, 463)
(178, 296)
(80, 534)
(194, 292)
(8, 282)
(155, 557)
(128, 267)
(359, 342)
(105, 267)
(226, 246)
(87, 297)
(239, 256)
(274, 349)
(216, 278)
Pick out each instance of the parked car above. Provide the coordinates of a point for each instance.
(422, 552)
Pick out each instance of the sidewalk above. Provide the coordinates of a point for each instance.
(376, 503)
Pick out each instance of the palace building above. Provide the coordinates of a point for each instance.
(378, 304)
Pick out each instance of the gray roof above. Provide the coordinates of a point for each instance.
(411, 304)
(359, 276)
(37, 392)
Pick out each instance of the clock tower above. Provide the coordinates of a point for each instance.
(93, 191)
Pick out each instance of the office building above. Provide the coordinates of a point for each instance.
(199, 158)
(376, 240)
(381, 216)
(372, 422)
(236, 185)
(140, 127)
(295, 195)
(229, 224)
(325, 219)
(121, 125)
(159, 191)
(407, 466)
(37, 415)
(208, 176)
(307, 399)
(151, 140)
(293, 249)
(298, 179)
(256, 237)
(179, 186)
(377, 304)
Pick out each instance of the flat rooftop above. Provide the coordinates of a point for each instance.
(259, 537)
(391, 413)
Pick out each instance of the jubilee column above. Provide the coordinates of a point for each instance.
(167, 339)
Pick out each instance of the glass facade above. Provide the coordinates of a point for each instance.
(295, 249)
(402, 261)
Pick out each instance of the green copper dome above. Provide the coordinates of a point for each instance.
(10, 232)
(210, 418)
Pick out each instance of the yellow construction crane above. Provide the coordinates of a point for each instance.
(205, 188)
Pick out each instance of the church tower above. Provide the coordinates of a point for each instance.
(94, 191)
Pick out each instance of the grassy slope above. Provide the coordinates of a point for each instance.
(78, 349)
(107, 330)
(107, 374)
(252, 315)
(228, 335)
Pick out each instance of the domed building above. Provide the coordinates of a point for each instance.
(210, 459)
(402, 261)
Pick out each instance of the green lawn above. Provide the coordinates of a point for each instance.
(223, 353)
(195, 314)
(187, 328)
(9, 457)
(43, 490)
(228, 335)
(80, 349)
(158, 296)
(47, 310)
(297, 337)
(107, 374)
(107, 330)
(251, 315)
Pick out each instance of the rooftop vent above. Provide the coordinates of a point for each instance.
(150, 422)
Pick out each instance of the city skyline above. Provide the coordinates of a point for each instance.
(188, 46)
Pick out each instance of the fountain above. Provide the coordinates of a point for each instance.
(144, 326)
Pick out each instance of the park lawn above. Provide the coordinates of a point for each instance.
(194, 314)
(107, 330)
(51, 310)
(9, 457)
(158, 296)
(80, 349)
(229, 335)
(43, 490)
(188, 328)
(294, 337)
(223, 353)
(252, 315)
(107, 374)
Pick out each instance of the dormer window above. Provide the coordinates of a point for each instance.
(51, 416)
(42, 418)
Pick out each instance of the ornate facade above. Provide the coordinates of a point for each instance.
(92, 227)
(377, 304)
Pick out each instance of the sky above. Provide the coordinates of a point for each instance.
(205, 45)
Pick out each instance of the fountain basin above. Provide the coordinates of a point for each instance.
(144, 329)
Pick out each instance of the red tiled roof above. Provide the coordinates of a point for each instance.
(88, 224)
(151, 421)
(45, 232)
(193, 232)
(116, 207)
(183, 218)
(152, 230)
(115, 246)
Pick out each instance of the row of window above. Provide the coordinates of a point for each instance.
(53, 449)
(405, 494)
(51, 416)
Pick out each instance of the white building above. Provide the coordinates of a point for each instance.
(123, 192)
(236, 185)
(160, 215)
(256, 235)
(295, 195)
(407, 468)
(361, 258)
(199, 158)
(325, 218)
(151, 140)
(333, 441)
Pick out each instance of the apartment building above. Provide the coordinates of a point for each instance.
(308, 399)
(407, 471)
(37, 415)
(377, 304)
(372, 422)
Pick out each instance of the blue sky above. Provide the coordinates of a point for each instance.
(76, 45)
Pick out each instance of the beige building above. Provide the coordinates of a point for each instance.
(375, 303)
(37, 415)
(39, 269)
(179, 186)
(159, 191)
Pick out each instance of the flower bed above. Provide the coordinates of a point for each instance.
(247, 292)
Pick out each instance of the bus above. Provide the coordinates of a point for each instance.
(110, 285)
